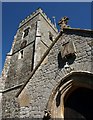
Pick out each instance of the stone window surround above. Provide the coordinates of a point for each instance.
(24, 30)
(21, 54)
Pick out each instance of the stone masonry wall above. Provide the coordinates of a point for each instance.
(33, 99)
(48, 75)
(42, 41)
(45, 79)
(18, 72)
(20, 68)
(10, 106)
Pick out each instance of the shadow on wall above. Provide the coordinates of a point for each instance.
(62, 61)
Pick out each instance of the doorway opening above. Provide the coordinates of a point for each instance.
(79, 105)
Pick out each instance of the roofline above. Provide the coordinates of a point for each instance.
(82, 32)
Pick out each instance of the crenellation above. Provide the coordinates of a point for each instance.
(38, 11)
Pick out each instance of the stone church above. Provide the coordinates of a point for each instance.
(48, 74)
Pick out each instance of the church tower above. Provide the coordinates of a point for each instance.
(34, 35)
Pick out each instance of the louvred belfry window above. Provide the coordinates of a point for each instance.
(26, 31)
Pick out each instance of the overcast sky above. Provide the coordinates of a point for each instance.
(12, 13)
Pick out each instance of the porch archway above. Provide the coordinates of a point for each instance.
(62, 92)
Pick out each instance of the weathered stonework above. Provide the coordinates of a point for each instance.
(48, 76)
(51, 77)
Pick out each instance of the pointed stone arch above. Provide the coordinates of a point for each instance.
(65, 87)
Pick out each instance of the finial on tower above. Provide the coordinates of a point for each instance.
(54, 20)
(63, 22)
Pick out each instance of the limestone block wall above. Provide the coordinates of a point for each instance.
(0, 106)
(31, 35)
(43, 41)
(10, 106)
(21, 67)
(2, 81)
(33, 99)
(37, 43)
(48, 75)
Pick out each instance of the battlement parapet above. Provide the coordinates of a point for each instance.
(38, 11)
